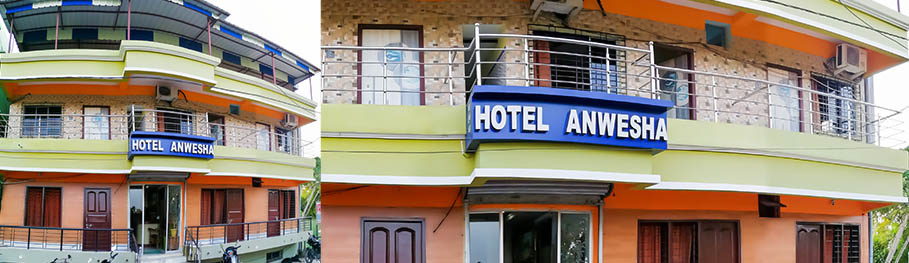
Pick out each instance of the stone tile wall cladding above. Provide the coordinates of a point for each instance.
(442, 27)
(241, 136)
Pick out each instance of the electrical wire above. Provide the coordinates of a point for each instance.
(869, 25)
(453, 202)
(834, 18)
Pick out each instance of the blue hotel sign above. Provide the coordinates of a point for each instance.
(170, 144)
(507, 113)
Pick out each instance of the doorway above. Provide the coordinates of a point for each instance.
(676, 86)
(155, 216)
(530, 236)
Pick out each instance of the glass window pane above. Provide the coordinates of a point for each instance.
(575, 237)
(484, 238)
(173, 217)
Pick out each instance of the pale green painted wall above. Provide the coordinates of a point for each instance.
(717, 162)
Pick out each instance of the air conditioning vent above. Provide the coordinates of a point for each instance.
(851, 60)
(290, 120)
(165, 93)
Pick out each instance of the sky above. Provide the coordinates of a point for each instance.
(890, 86)
(293, 25)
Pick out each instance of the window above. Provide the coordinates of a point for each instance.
(285, 140)
(403, 87)
(176, 121)
(266, 70)
(227, 56)
(96, 124)
(836, 113)
(42, 206)
(42, 121)
(404, 235)
(574, 66)
(263, 137)
(837, 243)
(688, 241)
(216, 128)
(190, 44)
(530, 237)
(717, 33)
(218, 209)
(274, 256)
(138, 34)
(85, 34)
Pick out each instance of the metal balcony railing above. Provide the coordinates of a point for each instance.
(118, 127)
(444, 76)
(228, 233)
(67, 239)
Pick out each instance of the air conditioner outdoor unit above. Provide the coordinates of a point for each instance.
(290, 120)
(165, 93)
(850, 59)
(569, 7)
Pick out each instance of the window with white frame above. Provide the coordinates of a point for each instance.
(530, 236)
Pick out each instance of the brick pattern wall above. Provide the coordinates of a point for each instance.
(442, 23)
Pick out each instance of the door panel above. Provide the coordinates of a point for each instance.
(718, 242)
(392, 241)
(808, 244)
(274, 212)
(97, 216)
(234, 214)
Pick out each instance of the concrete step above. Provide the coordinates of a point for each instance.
(173, 257)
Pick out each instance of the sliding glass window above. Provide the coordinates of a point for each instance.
(530, 236)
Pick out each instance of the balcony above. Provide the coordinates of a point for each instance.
(771, 98)
(119, 127)
(205, 242)
(81, 242)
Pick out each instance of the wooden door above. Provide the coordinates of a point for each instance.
(235, 214)
(393, 241)
(97, 216)
(808, 244)
(274, 212)
(718, 242)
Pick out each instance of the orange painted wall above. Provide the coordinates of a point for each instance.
(13, 212)
(255, 199)
(762, 239)
(341, 231)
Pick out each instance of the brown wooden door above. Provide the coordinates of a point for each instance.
(274, 212)
(718, 242)
(808, 244)
(97, 216)
(393, 241)
(235, 214)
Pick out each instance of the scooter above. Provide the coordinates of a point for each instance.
(314, 253)
(111, 258)
(230, 253)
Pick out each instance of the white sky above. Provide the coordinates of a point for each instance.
(890, 86)
(293, 25)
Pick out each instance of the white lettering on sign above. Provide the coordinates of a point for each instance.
(497, 118)
(147, 145)
(616, 124)
(191, 147)
(584, 122)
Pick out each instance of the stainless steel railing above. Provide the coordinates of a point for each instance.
(118, 127)
(444, 76)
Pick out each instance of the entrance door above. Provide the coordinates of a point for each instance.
(808, 244)
(234, 214)
(717, 242)
(784, 100)
(97, 216)
(393, 241)
(96, 123)
(676, 86)
(274, 212)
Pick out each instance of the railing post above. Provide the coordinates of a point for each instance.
(478, 64)
(653, 74)
(61, 239)
(450, 78)
(770, 105)
(527, 65)
(28, 240)
(384, 77)
(716, 102)
(247, 232)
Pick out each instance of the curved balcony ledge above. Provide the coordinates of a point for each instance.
(144, 57)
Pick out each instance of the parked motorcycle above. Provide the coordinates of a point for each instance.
(230, 253)
(313, 254)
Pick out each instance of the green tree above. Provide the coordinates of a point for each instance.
(312, 191)
(891, 236)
